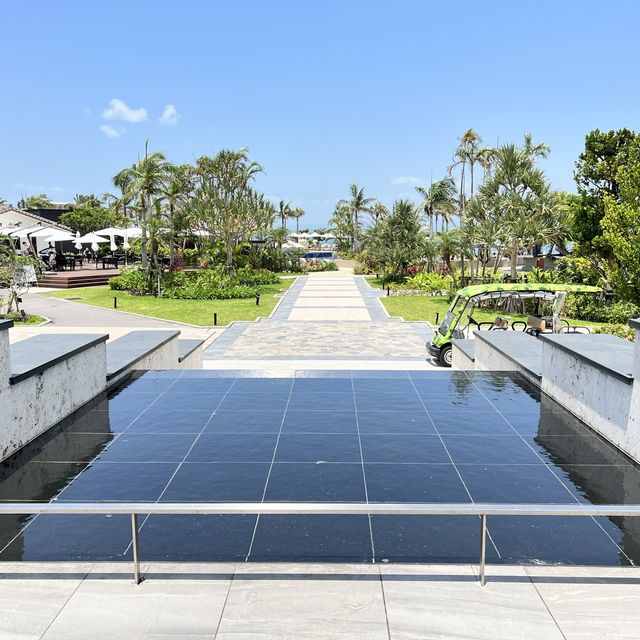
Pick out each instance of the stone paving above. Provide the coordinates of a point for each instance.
(331, 319)
(292, 601)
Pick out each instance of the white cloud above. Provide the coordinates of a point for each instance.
(170, 116)
(111, 132)
(119, 110)
(406, 181)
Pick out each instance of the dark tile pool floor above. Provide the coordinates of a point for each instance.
(322, 436)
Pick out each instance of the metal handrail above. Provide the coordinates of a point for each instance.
(134, 509)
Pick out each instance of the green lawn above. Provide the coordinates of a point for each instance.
(198, 312)
(426, 307)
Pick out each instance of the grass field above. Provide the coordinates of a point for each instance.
(30, 320)
(199, 312)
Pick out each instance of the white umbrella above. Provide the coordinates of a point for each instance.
(44, 232)
(125, 245)
(315, 235)
(111, 231)
(77, 244)
(133, 232)
(59, 236)
(294, 235)
(329, 236)
(93, 239)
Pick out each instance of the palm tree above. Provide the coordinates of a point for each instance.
(438, 200)
(297, 213)
(145, 181)
(176, 189)
(356, 205)
(277, 236)
(378, 212)
(284, 211)
(519, 195)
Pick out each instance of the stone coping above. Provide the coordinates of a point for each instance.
(131, 348)
(608, 353)
(34, 355)
(519, 347)
(634, 323)
(187, 346)
(467, 346)
(5, 325)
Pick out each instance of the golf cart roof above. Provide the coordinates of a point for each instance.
(531, 289)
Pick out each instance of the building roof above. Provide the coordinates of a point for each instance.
(34, 216)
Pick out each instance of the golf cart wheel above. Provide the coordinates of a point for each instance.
(446, 356)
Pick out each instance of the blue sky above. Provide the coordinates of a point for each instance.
(324, 94)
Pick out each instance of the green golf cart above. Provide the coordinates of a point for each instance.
(459, 320)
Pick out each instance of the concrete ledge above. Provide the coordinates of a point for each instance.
(463, 354)
(125, 352)
(522, 351)
(634, 323)
(609, 354)
(187, 347)
(34, 355)
(5, 325)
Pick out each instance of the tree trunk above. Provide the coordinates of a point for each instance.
(229, 265)
(143, 236)
(298, 224)
(462, 207)
(172, 248)
(514, 259)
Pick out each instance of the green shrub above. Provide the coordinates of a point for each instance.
(251, 277)
(584, 309)
(133, 280)
(620, 330)
(429, 282)
(572, 270)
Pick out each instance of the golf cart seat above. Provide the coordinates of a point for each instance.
(500, 323)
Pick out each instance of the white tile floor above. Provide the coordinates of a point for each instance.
(286, 601)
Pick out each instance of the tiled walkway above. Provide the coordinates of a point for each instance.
(317, 602)
(328, 320)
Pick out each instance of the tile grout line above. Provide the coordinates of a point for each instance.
(224, 604)
(455, 466)
(273, 458)
(544, 602)
(66, 602)
(364, 475)
(550, 470)
(384, 603)
(173, 475)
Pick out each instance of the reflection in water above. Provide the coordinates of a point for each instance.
(42, 469)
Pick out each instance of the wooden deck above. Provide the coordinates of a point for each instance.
(86, 276)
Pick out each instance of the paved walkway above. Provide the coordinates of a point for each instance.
(317, 602)
(68, 317)
(326, 320)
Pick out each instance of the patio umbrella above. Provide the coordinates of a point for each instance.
(111, 231)
(304, 235)
(77, 244)
(59, 236)
(44, 232)
(133, 232)
(329, 236)
(93, 239)
(125, 245)
(24, 233)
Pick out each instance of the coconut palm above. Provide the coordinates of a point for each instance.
(144, 182)
(177, 189)
(438, 200)
(284, 211)
(356, 205)
(296, 214)
(378, 212)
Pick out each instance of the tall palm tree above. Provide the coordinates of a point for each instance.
(177, 187)
(284, 211)
(296, 214)
(144, 182)
(356, 205)
(438, 200)
(378, 212)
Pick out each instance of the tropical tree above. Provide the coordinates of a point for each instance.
(284, 211)
(438, 200)
(225, 204)
(378, 212)
(341, 223)
(177, 188)
(397, 240)
(40, 201)
(356, 205)
(296, 214)
(517, 194)
(145, 183)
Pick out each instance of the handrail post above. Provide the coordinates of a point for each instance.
(483, 548)
(134, 547)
